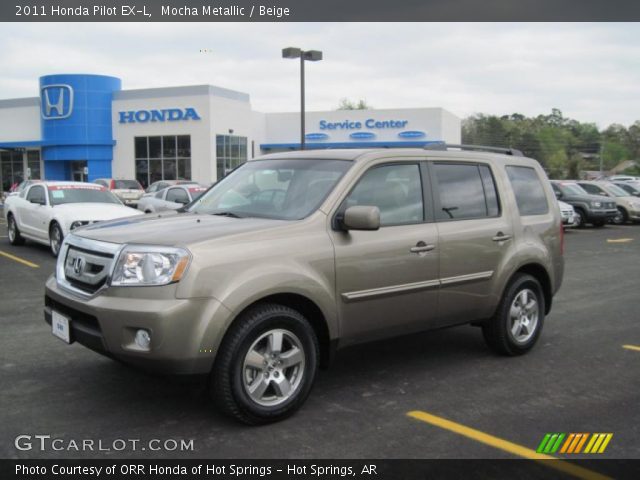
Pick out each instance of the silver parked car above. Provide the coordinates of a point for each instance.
(171, 198)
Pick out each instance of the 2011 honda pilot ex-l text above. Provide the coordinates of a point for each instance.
(294, 255)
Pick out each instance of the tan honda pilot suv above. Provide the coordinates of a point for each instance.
(294, 255)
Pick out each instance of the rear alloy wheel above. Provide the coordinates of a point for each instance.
(55, 239)
(515, 327)
(266, 365)
(13, 232)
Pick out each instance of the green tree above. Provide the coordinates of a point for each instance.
(346, 104)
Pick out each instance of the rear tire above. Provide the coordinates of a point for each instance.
(13, 232)
(55, 238)
(516, 326)
(266, 365)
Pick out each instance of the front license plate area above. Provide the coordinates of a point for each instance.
(60, 326)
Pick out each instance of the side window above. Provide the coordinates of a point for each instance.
(592, 189)
(466, 191)
(101, 182)
(395, 189)
(177, 195)
(528, 190)
(36, 195)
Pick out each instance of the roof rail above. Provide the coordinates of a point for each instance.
(446, 146)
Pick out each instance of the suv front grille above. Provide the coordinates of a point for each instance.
(85, 264)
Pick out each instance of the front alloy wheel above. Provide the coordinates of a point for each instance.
(55, 239)
(266, 364)
(273, 367)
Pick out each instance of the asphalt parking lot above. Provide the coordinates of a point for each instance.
(579, 378)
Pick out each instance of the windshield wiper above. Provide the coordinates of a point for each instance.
(227, 214)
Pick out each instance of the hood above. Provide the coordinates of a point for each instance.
(173, 228)
(96, 211)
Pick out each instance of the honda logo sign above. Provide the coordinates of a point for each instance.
(56, 101)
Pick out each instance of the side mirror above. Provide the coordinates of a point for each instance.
(361, 217)
(558, 194)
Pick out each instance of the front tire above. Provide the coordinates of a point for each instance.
(266, 365)
(579, 219)
(55, 238)
(516, 326)
(13, 232)
(621, 218)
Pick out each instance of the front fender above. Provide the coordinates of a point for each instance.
(250, 285)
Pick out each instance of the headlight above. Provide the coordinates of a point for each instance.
(77, 224)
(150, 265)
(596, 204)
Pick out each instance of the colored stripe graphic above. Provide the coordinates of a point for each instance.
(598, 443)
(574, 443)
(550, 443)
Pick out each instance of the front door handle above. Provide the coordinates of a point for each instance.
(422, 247)
(501, 237)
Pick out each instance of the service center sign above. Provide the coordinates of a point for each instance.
(164, 115)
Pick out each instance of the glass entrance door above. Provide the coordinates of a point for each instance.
(79, 172)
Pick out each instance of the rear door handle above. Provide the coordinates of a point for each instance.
(501, 237)
(422, 247)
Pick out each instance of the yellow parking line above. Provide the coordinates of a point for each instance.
(507, 446)
(19, 260)
(619, 240)
(631, 347)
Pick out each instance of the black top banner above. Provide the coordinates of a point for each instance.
(318, 10)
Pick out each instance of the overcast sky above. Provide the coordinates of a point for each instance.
(590, 71)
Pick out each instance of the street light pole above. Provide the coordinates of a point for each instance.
(313, 56)
(302, 109)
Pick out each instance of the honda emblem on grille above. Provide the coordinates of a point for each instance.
(78, 265)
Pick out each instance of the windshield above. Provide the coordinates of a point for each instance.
(278, 189)
(572, 189)
(126, 185)
(615, 190)
(60, 194)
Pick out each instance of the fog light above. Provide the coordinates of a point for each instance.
(143, 339)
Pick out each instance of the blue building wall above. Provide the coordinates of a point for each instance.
(76, 123)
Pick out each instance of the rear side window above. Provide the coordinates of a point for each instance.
(528, 190)
(466, 191)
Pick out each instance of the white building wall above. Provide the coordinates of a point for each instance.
(436, 123)
(451, 128)
(124, 134)
(20, 120)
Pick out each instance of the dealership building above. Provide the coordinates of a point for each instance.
(84, 127)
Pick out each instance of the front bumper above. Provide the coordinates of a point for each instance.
(185, 333)
(602, 214)
(634, 215)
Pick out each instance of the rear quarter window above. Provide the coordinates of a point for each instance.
(528, 190)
